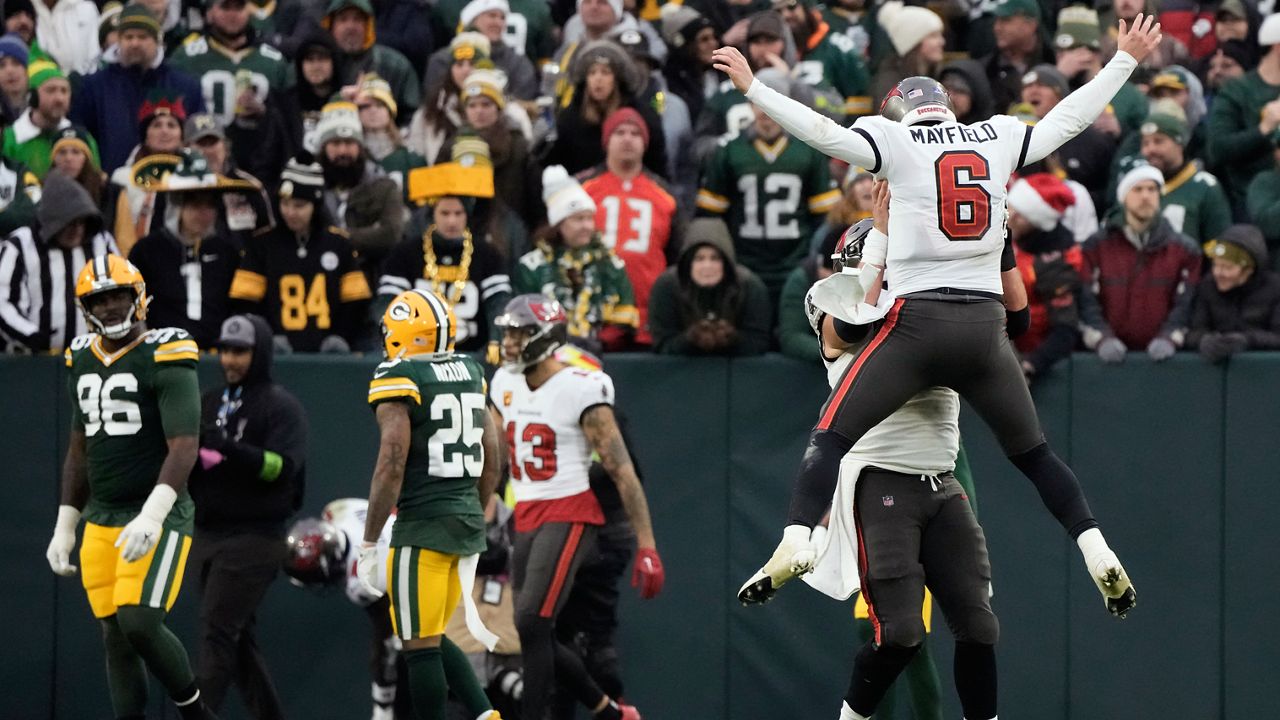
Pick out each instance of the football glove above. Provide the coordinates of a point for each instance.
(648, 574)
(367, 569)
(793, 557)
(143, 532)
(1107, 573)
(64, 541)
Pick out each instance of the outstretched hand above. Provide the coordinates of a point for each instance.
(730, 61)
(880, 206)
(1140, 39)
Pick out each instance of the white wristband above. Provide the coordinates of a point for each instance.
(875, 248)
(68, 519)
(159, 503)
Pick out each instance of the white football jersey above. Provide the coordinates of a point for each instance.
(347, 516)
(548, 451)
(922, 436)
(947, 212)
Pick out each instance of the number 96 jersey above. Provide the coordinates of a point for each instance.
(547, 449)
(439, 506)
(947, 213)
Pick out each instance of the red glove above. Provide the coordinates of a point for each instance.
(648, 574)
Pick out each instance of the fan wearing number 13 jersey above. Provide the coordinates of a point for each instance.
(945, 327)
(555, 417)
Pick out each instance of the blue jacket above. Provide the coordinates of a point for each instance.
(106, 103)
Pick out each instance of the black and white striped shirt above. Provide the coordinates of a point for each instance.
(38, 312)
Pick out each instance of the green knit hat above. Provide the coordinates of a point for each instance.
(41, 71)
(1168, 118)
(136, 16)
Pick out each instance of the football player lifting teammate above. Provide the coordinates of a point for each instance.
(555, 417)
(134, 429)
(438, 463)
(943, 324)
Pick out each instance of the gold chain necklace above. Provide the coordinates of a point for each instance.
(438, 276)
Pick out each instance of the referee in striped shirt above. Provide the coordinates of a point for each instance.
(38, 267)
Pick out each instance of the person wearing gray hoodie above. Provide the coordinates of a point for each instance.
(707, 304)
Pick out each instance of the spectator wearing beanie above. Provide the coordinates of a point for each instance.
(38, 267)
(13, 76)
(1078, 49)
(1244, 126)
(530, 30)
(317, 76)
(1193, 201)
(382, 140)
(795, 336)
(20, 19)
(840, 62)
(691, 39)
(304, 256)
(107, 102)
(634, 208)
(161, 123)
(604, 79)
(918, 44)
(1237, 306)
(67, 32)
(571, 264)
(440, 116)
(30, 139)
(1138, 275)
(73, 156)
(1049, 261)
(489, 18)
(1230, 61)
(707, 304)
(351, 22)
(1020, 46)
(108, 27)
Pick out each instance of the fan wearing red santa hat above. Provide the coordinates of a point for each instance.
(1049, 261)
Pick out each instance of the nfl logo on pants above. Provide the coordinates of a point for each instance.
(887, 500)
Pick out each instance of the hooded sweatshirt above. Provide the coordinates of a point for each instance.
(261, 431)
(676, 303)
(1252, 309)
(982, 103)
(388, 63)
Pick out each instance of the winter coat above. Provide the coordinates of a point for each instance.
(1049, 263)
(676, 305)
(794, 333)
(1252, 309)
(1137, 294)
(982, 104)
(374, 216)
(251, 424)
(522, 79)
(68, 33)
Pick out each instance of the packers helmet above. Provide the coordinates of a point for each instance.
(317, 551)
(418, 322)
(918, 99)
(542, 325)
(106, 273)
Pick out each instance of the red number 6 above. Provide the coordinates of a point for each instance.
(964, 208)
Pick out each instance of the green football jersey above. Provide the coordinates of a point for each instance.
(128, 403)
(835, 62)
(439, 505)
(260, 66)
(771, 197)
(1195, 204)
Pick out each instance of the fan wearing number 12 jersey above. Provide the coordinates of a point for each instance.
(555, 417)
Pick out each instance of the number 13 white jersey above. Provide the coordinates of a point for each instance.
(548, 451)
(947, 214)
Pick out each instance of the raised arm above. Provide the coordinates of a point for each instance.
(805, 123)
(1078, 110)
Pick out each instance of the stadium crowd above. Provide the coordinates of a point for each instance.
(307, 160)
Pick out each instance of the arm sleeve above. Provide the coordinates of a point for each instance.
(178, 393)
(382, 234)
(794, 334)
(819, 132)
(1234, 135)
(713, 194)
(1078, 110)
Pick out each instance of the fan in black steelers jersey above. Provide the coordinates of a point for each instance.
(440, 255)
(942, 322)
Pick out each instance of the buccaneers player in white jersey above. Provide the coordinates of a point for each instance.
(555, 416)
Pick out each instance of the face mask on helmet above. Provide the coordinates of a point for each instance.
(106, 278)
(849, 248)
(317, 553)
(537, 325)
(917, 100)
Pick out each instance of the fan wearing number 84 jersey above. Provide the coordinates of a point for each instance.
(437, 464)
(555, 416)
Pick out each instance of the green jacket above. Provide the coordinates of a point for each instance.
(1235, 142)
(794, 334)
(33, 147)
(590, 283)
(1263, 201)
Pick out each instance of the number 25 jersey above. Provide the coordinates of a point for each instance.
(547, 448)
(947, 213)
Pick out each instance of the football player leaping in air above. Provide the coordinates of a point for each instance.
(134, 430)
(555, 417)
(438, 463)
